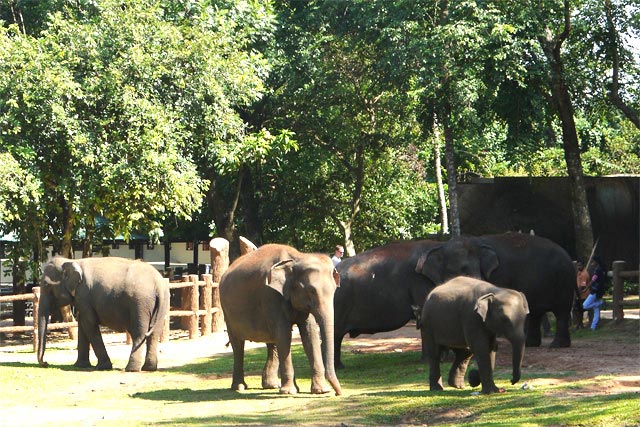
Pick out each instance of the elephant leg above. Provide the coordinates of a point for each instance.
(337, 348)
(92, 330)
(286, 362)
(83, 350)
(534, 336)
(237, 345)
(137, 351)
(434, 351)
(459, 367)
(310, 336)
(270, 372)
(151, 359)
(484, 350)
(562, 337)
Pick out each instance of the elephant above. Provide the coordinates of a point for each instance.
(267, 291)
(122, 294)
(466, 315)
(378, 288)
(533, 265)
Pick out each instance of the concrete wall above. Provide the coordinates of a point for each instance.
(544, 205)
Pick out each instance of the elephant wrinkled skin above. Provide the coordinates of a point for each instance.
(267, 291)
(533, 265)
(466, 315)
(378, 289)
(122, 294)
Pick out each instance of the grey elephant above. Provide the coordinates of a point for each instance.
(466, 315)
(267, 291)
(533, 265)
(122, 294)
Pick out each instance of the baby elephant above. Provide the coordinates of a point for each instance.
(466, 315)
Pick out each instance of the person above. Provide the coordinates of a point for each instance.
(337, 255)
(597, 286)
(582, 279)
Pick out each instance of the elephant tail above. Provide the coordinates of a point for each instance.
(160, 308)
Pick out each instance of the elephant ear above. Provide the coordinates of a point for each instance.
(525, 303)
(71, 277)
(482, 305)
(336, 277)
(489, 261)
(278, 275)
(430, 263)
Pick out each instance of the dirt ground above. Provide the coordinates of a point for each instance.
(591, 355)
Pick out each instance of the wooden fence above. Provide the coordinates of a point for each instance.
(208, 315)
(618, 274)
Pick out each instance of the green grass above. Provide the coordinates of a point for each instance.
(379, 389)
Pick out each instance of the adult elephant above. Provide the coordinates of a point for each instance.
(267, 291)
(122, 294)
(533, 265)
(466, 315)
(378, 289)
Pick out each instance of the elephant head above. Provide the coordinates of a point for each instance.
(458, 257)
(309, 284)
(60, 279)
(505, 314)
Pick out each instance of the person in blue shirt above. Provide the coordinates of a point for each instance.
(597, 287)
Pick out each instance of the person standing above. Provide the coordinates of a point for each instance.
(583, 280)
(337, 255)
(597, 286)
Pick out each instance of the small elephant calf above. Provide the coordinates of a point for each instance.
(466, 315)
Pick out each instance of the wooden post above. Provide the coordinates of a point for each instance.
(164, 337)
(36, 307)
(185, 302)
(195, 298)
(219, 250)
(246, 246)
(618, 290)
(205, 327)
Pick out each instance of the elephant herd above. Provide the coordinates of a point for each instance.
(468, 291)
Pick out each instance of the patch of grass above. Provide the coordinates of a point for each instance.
(378, 389)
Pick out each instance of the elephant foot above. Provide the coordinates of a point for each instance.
(320, 388)
(560, 343)
(492, 390)
(239, 386)
(456, 383)
(150, 367)
(83, 364)
(104, 366)
(289, 389)
(270, 383)
(436, 387)
(533, 343)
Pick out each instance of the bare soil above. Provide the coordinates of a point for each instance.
(590, 356)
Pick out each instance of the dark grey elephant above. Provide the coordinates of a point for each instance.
(378, 289)
(267, 291)
(466, 315)
(533, 265)
(122, 294)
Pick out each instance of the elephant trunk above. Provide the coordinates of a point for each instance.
(326, 334)
(44, 308)
(517, 349)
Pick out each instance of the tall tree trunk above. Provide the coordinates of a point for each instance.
(444, 218)
(346, 226)
(551, 45)
(224, 211)
(452, 173)
(67, 252)
(614, 92)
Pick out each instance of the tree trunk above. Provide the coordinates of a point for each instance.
(452, 173)
(444, 218)
(551, 45)
(224, 211)
(67, 252)
(614, 92)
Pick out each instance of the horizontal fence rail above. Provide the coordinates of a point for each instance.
(206, 314)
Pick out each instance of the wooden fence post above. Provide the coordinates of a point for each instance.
(194, 306)
(618, 290)
(36, 308)
(205, 327)
(219, 250)
(164, 337)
